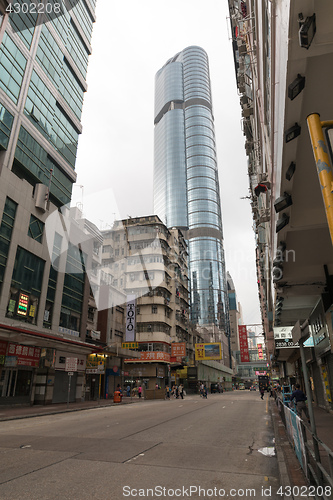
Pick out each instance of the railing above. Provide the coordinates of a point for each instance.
(317, 459)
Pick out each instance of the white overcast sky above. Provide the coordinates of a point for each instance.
(131, 41)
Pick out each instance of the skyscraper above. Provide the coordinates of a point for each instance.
(43, 311)
(186, 186)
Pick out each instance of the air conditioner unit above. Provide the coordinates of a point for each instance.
(247, 112)
(264, 215)
(263, 177)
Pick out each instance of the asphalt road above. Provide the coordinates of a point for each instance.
(191, 448)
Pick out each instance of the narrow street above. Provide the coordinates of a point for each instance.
(220, 445)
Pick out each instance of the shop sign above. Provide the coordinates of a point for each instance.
(152, 356)
(26, 356)
(130, 345)
(3, 350)
(130, 319)
(283, 343)
(326, 383)
(178, 349)
(260, 351)
(176, 359)
(94, 371)
(22, 307)
(61, 360)
(96, 335)
(95, 360)
(66, 331)
(282, 332)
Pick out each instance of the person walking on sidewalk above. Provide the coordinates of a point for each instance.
(300, 398)
(262, 392)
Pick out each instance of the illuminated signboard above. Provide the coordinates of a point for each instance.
(22, 308)
(130, 345)
(260, 351)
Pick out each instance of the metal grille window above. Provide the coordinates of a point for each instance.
(36, 228)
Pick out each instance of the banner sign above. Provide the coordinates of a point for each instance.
(243, 345)
(208, 351)
(260, 351)
(151, 356)
(178, 349)
(130, 319)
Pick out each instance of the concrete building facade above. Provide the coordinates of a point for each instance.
(44, 290)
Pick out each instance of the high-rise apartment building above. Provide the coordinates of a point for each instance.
(186, 186)
(147, 263)
(43, 310)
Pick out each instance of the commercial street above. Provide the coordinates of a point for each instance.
(219, 444)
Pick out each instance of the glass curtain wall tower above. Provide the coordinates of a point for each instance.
(186, 186)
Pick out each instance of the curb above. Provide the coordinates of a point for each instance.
(64, 410)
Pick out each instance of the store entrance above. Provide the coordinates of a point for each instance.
(15, 383)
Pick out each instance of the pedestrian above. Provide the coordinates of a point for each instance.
(167, 392)
(270, 391)
(128, 391)
(300, 398)
(262, 392)
(140, 391)
(205, 392)
(181, 391)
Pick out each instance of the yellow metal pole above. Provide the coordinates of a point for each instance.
(323, 165)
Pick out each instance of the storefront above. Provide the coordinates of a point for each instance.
(34, 367)
(321, 367)
(18, 365)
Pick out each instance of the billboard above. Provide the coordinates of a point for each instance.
(208, 351)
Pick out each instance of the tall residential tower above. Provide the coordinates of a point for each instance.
(186, 186)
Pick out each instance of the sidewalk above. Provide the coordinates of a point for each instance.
(291, 473)
(21, 411)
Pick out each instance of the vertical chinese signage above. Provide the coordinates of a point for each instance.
(130, 319)
(260, 352)
(244, 348)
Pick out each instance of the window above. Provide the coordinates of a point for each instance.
(6, 229)
(154, 309)
(36, 228)
(26, 286)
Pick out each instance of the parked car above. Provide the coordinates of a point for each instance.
(253, 388)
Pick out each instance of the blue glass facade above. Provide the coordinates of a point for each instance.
(186, 185)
